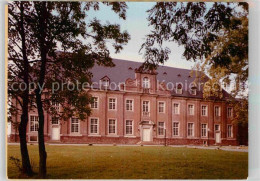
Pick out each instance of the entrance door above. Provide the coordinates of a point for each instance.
(146, 134)
(218, 138)
(55, 133)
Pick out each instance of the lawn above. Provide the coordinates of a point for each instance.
(135, 162)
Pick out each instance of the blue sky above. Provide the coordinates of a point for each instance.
(137, 26)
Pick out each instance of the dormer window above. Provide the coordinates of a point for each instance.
(146, 83)
(105, 82)
(193, 90)
(179, 89)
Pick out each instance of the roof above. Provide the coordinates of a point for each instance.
(125, 69)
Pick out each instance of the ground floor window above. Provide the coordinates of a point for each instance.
(204, 130)
(94, 126)
(112, 126)
(129, 127)
(175, 128)
(74, 125)
(230, 131)
(34, 123)
(160, 128)
(190, 129)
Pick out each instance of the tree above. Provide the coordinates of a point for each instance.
(214, 35)
(62, 26)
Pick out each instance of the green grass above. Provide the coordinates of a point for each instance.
(131, 162)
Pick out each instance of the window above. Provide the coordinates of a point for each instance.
(94, 104)
(230, 131)
(34, 123)
(217, 111)
(175, 128)
(204, 130)
(146, 83)
(129, 105)
(160, 128)
(55, 120)
(146, 108)
(191, 109)
(112, 103)
(161, 107)
(179, 89)
(105, 83)
(176, 108)
(55, 104)
(74, 125)
(112, 126)
(129, 127)
(190, 129)
(193, 91)
(217, 127)
(230, 112)
(93, 126)
(204, 110)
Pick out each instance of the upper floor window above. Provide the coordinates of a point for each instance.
(229, 112)
(160, 128)
(179, 89)
(54, 120)
(161, 106)
(217, 111)
(112, 104)
(105, 82)
(34, 123)
(176, 108)
(193, 91)
(217, 127)
(55, 104)
(146, 108)
(146, 83)
(191, 109)
(94, 104)
(204, 110)
(129, 105)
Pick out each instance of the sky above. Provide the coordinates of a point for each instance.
(137, 26)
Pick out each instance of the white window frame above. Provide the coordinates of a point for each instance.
(219, 111)
(206, 130)
(179, 91)
(115, 103)
(231, 134)
(115, 126)
(193, 93)
(129, 106)
(164, 106)
(160, 127)
(193, 129)
(131, 125)
(34, 130)
(206, 110)
(230, 116)
(74, 123)
(175, 127)
(178, 108)
(90, 126)
(193, 110)
(146, 83)
(94, 102)
(55, 106)
(148, 106)
(52, 120)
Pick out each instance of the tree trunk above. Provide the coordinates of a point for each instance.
(26, 165)
(41, 143)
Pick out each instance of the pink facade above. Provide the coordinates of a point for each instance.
(137, 115)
